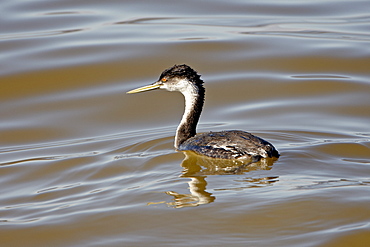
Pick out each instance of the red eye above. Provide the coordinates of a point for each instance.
(163, 79)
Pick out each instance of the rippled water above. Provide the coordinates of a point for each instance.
(84, 164)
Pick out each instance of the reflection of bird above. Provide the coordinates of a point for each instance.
(233, 144)
(198, 194)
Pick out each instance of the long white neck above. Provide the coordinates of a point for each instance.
(194, 98)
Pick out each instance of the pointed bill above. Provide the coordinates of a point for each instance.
(145, 88)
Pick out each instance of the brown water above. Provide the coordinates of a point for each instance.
(84, 164)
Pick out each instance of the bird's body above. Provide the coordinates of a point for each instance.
(232, 144)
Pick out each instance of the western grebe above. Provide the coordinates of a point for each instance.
(232, 144)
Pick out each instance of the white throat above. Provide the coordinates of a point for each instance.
(190, 93)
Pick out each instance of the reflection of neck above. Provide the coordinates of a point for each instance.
(194, 99)
(198, 183)
(197, 187)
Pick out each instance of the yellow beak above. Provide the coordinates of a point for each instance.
(145, 88)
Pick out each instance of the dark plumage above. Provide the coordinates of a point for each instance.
(233, 144)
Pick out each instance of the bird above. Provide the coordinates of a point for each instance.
(231, 144)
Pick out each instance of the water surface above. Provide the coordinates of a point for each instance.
(84, 164)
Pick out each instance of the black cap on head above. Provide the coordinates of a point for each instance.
(183, 71)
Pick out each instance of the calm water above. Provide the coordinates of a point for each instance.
(84, 164)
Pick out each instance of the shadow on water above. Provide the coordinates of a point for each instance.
(197, 168)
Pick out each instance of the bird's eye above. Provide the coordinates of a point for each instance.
(163, 79)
